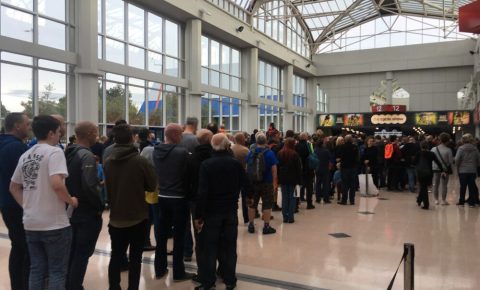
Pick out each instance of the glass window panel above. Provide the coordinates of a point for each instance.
(115, 77)
(214, 55)
(16, 84)
(100, 101)
(155, 32)
(275, 95)
(136, 105)
(204, 51)
(155, 62)
(275, 77)
(261, 72)
(205, 112)
(171, 108)
(268, 93)
(225, 81)
(414, 38)
(99, 16)
(51, 33)
(16, 24)
(114, 23)
(215, 116)
(115, 51)
(268, 76)
(225, 59)
(261, 91)
(136, 25)
(18, 58)
(25, 4)
(52, 8)
(204, 76)
(136, 57)
(52, 98)
(115, 99)
(398, 39)
(155, 107)
(214, 78)
(51, 64)
(136, 82)
(171, 46)
(235, 84)
(235, 63)
(171, 66)
(100, 47)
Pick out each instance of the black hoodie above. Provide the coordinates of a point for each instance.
(82, 182)
(174, 170)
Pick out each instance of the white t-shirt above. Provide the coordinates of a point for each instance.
(42, 209)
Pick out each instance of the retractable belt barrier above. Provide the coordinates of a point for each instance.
(408, 260)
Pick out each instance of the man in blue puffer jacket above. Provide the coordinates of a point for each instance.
(12, 146)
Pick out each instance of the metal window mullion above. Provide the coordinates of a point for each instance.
(147, 104)
(125, 34)
(145, 40)
(103, 32)
(126, 90)
(164, 59)
(35, 90)
(104, 102)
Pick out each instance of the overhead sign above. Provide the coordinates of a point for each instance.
(389, 119)
(353, 120)
(426, 118)
(459, 118)
(327, 120)
(389, 109)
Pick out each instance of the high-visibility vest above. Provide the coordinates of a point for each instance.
(388, 151)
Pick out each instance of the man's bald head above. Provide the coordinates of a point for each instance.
(303, 136)
(204, 136)
(173, 133)
(86, 133)
(220, 142)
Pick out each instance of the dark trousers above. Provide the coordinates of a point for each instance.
(148, 225)
(393, 178)
(18, 263)
(380, 175)
(468, 180)
(84, 239)
(218, 239)
(173, 212)
(323, 186)
(188, 247)
(121, 239)
(349, 175)
(308, 187)
(423, 193)
(244, 206)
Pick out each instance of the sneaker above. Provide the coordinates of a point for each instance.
(251, 228)
(269, 230)
(203, 287)
(185, 277)
(436, 202)
(187, 258)
(310, 206)
(161, 274)
(231, 287)
(445, 202)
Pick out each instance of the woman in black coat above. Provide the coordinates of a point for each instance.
(423, 160)
(369, 159)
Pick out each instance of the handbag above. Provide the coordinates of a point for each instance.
(151, 197)
(448, 168)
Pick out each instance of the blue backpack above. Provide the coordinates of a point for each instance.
(313, 161)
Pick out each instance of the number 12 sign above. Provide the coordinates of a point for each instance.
(389, 109)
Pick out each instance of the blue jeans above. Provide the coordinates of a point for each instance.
(412, 180)
(468, 180)
(288, 202)
(84, 239)
(49, 253)
(18, 262)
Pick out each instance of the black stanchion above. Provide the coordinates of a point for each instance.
(408, 259)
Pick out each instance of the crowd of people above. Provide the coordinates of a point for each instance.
(188, 187)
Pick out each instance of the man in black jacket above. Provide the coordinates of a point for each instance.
(220, 180)
(349, 158)
(83, 184)
(322, 173)
(174, 172)
(303, 149)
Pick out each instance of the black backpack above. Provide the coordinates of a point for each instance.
(256, 165)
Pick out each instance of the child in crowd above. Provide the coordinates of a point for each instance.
(337, 181)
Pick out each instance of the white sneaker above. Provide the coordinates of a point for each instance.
(445, 202)
(436, 202)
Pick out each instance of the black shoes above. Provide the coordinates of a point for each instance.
(187, 258)
(342, 203)
(148, 247)
(185, 277)
(203, 287)
(276, 208)
(268, 230)
(310, 206)
(251, 228)
(161, 274)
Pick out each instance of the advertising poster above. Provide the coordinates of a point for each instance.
(353, 120)
(380, 119)
(425, 119)
(327, 120)
(458, 118)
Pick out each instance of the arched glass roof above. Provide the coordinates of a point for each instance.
(335, 25)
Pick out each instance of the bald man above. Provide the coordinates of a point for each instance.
(174, 170)
(83, 184)
(220, 179)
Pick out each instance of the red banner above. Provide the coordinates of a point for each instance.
(469, 18)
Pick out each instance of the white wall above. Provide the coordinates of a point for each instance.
(431, 73)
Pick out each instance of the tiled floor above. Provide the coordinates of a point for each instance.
(304, 256)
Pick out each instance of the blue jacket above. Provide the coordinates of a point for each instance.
(11, 148)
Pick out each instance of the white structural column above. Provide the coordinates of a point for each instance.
(193, 67)
(250, 86)
(288, 98)
(310, 125)
(389, 92)
(84, 106)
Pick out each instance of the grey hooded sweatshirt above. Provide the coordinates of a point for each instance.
(467, 158)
